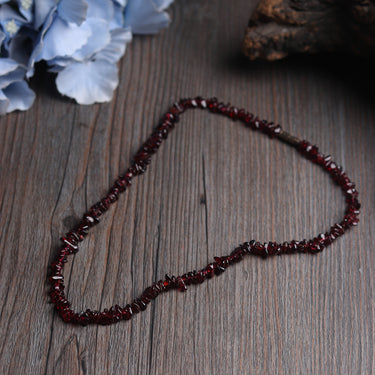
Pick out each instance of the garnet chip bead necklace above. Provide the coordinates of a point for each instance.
(141, 160)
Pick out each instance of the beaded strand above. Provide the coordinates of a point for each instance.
(140, 161)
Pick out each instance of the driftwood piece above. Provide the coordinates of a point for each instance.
(279, 28)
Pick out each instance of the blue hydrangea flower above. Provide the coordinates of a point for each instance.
(88, 72)
(14, 91)
(148, 16)
(81, 41)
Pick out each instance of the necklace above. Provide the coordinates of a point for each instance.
(220, 264)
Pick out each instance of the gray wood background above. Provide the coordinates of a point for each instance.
(213, 185)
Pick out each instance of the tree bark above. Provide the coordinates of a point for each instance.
(279, 28)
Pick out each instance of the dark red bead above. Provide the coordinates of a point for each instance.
(199, 277)
(127, 312)
(105, 203)
(73, 237)
(242, 114)
(233, 113)
(121, 184)
(55, 277)
(135, 307)
(163, 132)
(128, 176)
(276, 129)
(62, 304)
(161, 285)
(255, 124)
(222, 108)
(327, 159)
(144, 155)
(154, 142)
(177, 109)
(303, 145)
(218, 260)
(249, 119)
(157, 287)
(142, 304)
(210, 269)
(292, 247)
(327, 240)
(56, 267)
(219, 269)
(212, 104)
(237, 254)
(139, 167)
(83, 230)
(248, 246)
(84, 318)
(70, 244)
(145, 299)
(68, 315)
(112, 197)
(198, 100)
(273, 248)
(90, 220)
(303, 246)
(259, 249)
(181, 284)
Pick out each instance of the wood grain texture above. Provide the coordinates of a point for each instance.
(213, 185)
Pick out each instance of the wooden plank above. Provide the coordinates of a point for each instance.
(213, 185)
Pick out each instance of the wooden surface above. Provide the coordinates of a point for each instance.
(213, 185)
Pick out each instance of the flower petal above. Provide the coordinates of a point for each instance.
(144, 18)
(116, 48)
(162, 4)
(13, 76)
(99, 38)
(100, 9)
(73, 11)
(25, 7)
(39, 42)
(4, 103)
(7, 65)
(9, 13)
(21, 45)
(20, 96)
(121, 2)
(63, 39)
(42, 8)
(59, 63)
(88, 82)
(118, 18)
(2, 37)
